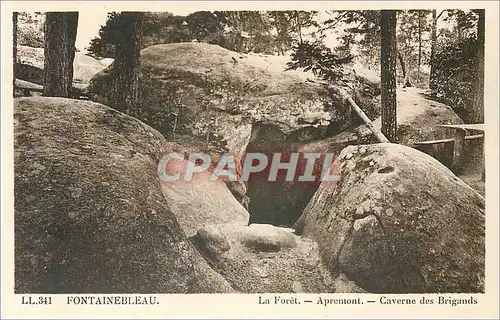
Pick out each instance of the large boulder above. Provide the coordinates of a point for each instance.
(90, 215)
(199, 201)
(418, 117)
(214, 94)
(263, 258)
(398, 221)
(30, 64)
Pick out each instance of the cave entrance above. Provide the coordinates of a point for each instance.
(278, 203)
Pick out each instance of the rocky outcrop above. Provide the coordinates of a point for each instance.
(417, 117)
(344, 285)
(263, 258)
(90, 215)
(398, 221)
(217, 98)
(229, 101)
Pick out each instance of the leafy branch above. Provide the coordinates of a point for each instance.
(319, 59)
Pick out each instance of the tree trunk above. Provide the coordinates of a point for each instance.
(432, 75)
(478, 112)
(460, 24)
(279, 33)
(299, 25)
(419, 46)
(406, 81)
(388, 73)
(126, 69)
(281, 51)
(60, 36)
(14, 48)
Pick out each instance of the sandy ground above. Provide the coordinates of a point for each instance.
(412, 103)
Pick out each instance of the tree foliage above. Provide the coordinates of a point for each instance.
(319, 59)
(30, 29)
(414, 47)
(268, 32)
(362, 29)
(455, 65)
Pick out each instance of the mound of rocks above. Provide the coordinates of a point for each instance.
(213, 94)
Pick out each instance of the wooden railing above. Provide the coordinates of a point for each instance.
(459, 139)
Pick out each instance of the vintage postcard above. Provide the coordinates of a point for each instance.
(211, 159)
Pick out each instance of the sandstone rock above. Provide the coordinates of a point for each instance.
(31, 63)
(398, 221)
(344, 285)
(264, 258)
(418, 117)
(29, 73)
(217, 99)
(201, 202)
(90, 215)
(238, 189)
(27, 89)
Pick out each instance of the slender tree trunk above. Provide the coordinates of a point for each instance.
(403, 68)
(281, 34)
(388, 73)
(56, 66)
(126, 70)
(478, 112)
(277, 22)
(60, 36)
(299, 25)
(14, 49)
(419, 45)
(432, 75)
(460, 24)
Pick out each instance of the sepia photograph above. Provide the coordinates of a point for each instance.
(283, 152)
(395, 96)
